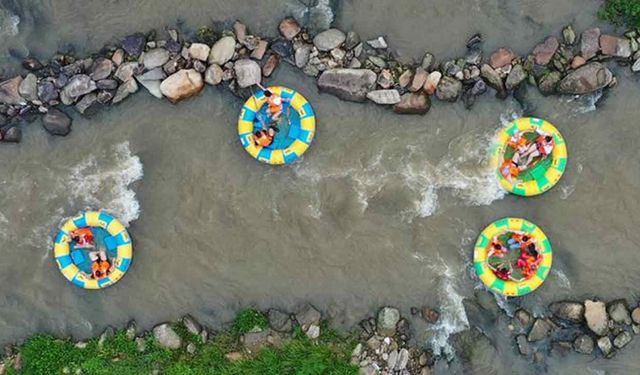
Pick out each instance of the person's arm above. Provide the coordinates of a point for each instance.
(261, 87)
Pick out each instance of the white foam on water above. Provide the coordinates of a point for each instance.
(563, 280)
(105, 183)
(9, 23)
(581, 104)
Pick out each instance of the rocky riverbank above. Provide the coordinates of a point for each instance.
(176, 66)
(382, 344)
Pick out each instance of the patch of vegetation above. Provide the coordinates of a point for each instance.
(249, 320)
(621, 12)
(330, 354)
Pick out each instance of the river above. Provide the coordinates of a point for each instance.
(383, 209)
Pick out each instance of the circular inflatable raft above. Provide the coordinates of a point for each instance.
(512, 257)
(295, 133)
(544, 173)
(107, 233)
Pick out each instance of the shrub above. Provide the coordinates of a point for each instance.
(621, 12)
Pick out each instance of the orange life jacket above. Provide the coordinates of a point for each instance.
(264, 140)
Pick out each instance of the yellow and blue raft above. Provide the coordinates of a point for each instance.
(295, 134)
(75, 264)
(542, 176)
(507, 287)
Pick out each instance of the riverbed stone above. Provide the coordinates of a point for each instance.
(124, 90)
(329, 39)
(47, 91)
(390, 96)
(191, 324)
(583, 344)
(307, 315)
(590, 43)
(577, 62)
(595, 313)
(101, 69)
(222, 51)
(270, 65)
(280, 321)
(431, 84)
(166, 337)
(126, 71)
(247, 72)
(449, 89)
(28, 88)
(12, 135)
(154, 58)
(586, 79)
(181, 85)
(385, 79)
(569, 35)
(636, 66)
(378, 43)
(118, 57)
(419, 78)
(152, 75)
(548, 82)
(260, 50)
(213, 74)
(387, 320)
(493, 79)
(348, 84)
(413, 104)
(87, 103)
(134, 44)
(619, 312)
(9, 91)
(282, 47)
(107, 84)
(301, 55)
(289, 28)
(515, 77)
(622, 339)
(523, 345)
(605, 346)
(635, 315)
(56, 122)
(501, 57)
(80, 84)
(540, 330)
(613, 46)
(572, 312)
(105, 96)
(199, 51)
(544, 51)
(32, 64)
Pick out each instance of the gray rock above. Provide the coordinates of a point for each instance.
(152, 75)
(385, 79)
(548, 83)
(544, 51)
(107, 84)
(78, 85)
(107, 334)
(260, 50)
(104, 97)
(153, 87)
(101, 69)
(13, 135)
(622, 339)
(87, 103)
(540, 330)
(449, 89)
(282, 47)
(166, 337)
(329, 39)
(569, 35)
(604, 343)
(515, 77)
(301, 56)
(413, 104)
(635, 315)
(523, 345)
(134, 44)
(289, 28)
(586, 79)
(307, 315)
(254, 341)
(141, 344)
(386, 321)
(56, 122)
(384, 96)
(222, 51)
(583, 344)
(348, 84)
(213, 74)
(313, 332)
(181, 85)
(636, 66)
(569, 311)
(352, 40)
(132, 330)
(377, 61)
(125, 90)
(493, 79)
(248, 72)
(191, 324)
(9, 91)
(419, 79)
(191, 348)
(47, 91)
(199, 66)
(28, 88)
(126, 71)
(154, 58)
(590, 43)
(118, 57)
(619, 312)
(378, 43)
(473, 56)
(428, 61)
(199, 51)
(31, 63)
(595, 314)
(280, 321)
(613, 46)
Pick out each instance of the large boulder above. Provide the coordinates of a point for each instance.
(595, 313)
(126, 71)
(572, 312)
(329, 39)
(605, 346)
(515, 77)
(413, 104)
(384, 96)
(181, 85)
(248, 72)
(213, 74)
(540, 330)
(280, 321)
(431, 84)
(199, 51)
(308, 316)
(28, 88)
(449, 89)
(101, 69)
(222, 51)
(544, 51)
(619, 312)
(9, 91)
(348, 84)
(501, 57)
(586, 79)
(492, 78)
(78, 85)
(590, 43)
(56, 122)
(419, 79)
(583, 344)
(125, 89)
(166, 337)
(548, 82)
(47, 91)
(622, 339)
(613, 46)
(387, 320)
(155, 58)
(134, 44)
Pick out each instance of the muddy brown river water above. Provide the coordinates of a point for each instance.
(383, 209)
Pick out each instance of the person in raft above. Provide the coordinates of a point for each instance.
(100, 265)
(83, 238)
(275, 104)
(542, 147)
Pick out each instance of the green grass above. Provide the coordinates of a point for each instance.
(249, 320)
(621, 12)
(330, 354)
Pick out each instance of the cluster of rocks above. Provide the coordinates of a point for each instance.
(589, 328)
(343, 64)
